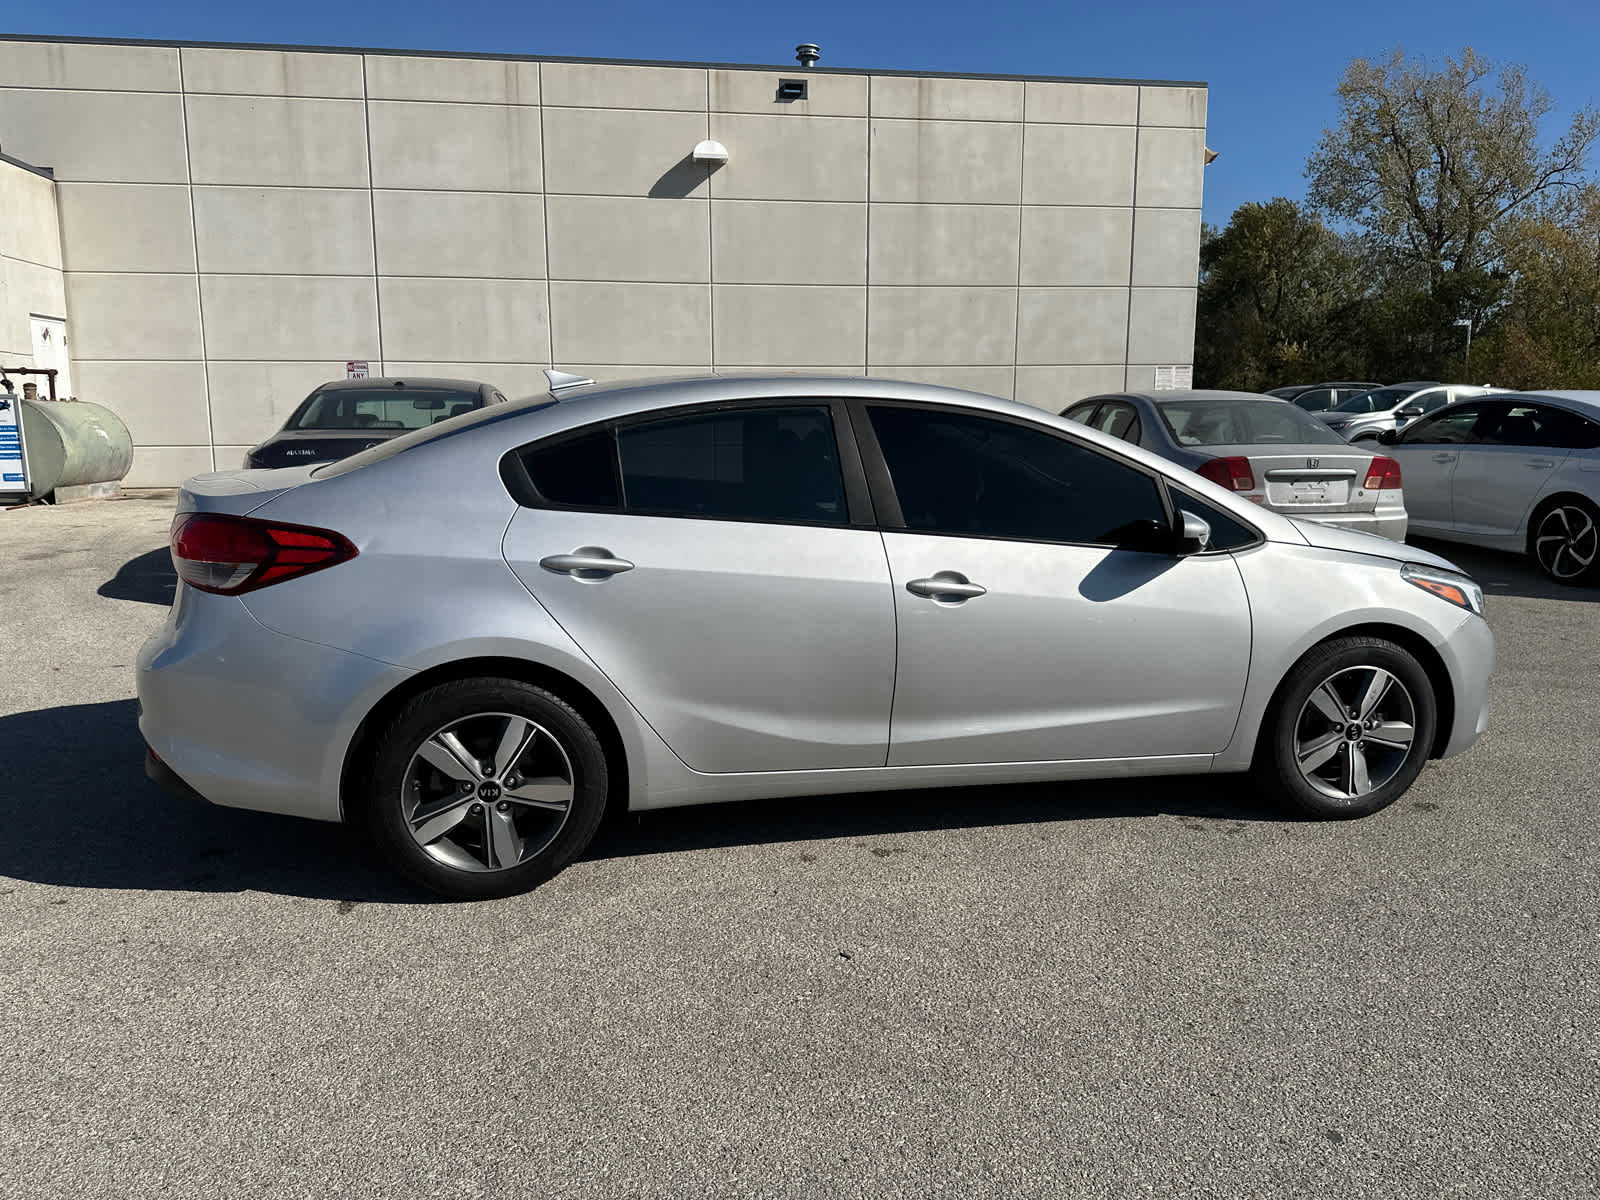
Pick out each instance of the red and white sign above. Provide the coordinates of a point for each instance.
(356, 368)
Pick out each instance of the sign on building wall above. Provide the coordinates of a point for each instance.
(13, 468)
(356, 368)
(1170, 379)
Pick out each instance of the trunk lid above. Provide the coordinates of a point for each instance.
(307, 447)
(238, 492)
(1310, 479)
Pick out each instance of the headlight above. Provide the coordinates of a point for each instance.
(1447, 585)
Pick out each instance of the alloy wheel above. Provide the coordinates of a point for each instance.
(1566, 542)
(487, 792)
(1355, 732)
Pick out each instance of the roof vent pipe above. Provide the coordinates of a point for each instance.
(807, 53)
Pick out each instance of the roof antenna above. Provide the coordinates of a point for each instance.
(560, 381)
(807, 53)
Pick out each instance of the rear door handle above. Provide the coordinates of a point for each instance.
(587, 562)
(1541, 464)
(1444, 458)
(949, 586)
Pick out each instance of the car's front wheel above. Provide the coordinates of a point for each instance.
(486, 787)
(1349, 729)
(1565, 540)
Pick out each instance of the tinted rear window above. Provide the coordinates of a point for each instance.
(432, 433)
(382, 408)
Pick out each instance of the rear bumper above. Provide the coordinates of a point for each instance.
(1387, 524)
(248, 718)
(167, 779)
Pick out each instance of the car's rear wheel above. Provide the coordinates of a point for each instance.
(1564, 537)
(1349, 729)
(486, 787)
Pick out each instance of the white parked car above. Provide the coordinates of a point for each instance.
(1362, 418)
(1517, 471)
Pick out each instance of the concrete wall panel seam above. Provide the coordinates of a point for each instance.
(372, 212)
(544, 209)
(1133, 238)
(199, 299)
(1022, 192)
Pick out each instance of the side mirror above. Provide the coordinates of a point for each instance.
(1408, 412)
(1194, 534)
(1389, 437)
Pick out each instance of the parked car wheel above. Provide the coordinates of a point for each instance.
(1349, 729)
(486, 787)
(1564, 539)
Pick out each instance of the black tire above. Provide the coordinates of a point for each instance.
(405, 788)
(1295, 723)
(1563, 516)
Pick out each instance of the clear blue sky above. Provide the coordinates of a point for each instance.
(1272, 66)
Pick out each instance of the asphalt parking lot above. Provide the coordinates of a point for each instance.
(1150, 988)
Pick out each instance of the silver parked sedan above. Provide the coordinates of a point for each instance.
(477, 637)
(1271, 453)
(1518, 472)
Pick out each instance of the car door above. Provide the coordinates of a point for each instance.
(1031, 627)
(1514, 450)
(1428, 451)
(720, 566)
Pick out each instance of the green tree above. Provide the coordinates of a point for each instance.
(1433, 166)
(1278, 294)
(1549, 332)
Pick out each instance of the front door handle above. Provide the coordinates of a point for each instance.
(952, 587)
(587, 562)
(1444, 458)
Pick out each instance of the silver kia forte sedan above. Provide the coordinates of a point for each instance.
(475, 638)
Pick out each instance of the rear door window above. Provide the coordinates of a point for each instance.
(752, 464)
(1535, 425)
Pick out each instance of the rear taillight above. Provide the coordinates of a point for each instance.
(231, 555)
(1382, 473)
(1232, 473)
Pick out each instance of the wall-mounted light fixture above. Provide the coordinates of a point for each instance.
(710, 153)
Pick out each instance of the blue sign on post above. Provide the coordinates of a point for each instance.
(13, 465)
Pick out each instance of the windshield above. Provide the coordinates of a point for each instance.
(388, 407)
(1377, 400)
(1243, 423)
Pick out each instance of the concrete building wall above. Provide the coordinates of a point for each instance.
(239, 222)
(31, 282)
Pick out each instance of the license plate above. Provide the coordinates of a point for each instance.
(1310, 493)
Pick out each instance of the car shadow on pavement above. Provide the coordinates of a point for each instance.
(147, 579)
(1501, 573)
(1217, 798)
(78, 812)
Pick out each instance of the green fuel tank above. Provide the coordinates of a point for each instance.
(71, 443)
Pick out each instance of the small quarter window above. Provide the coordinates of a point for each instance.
(576, 472)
